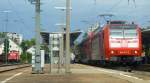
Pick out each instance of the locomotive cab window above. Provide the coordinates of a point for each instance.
(116, 33)
(130, 33)
(123, 31)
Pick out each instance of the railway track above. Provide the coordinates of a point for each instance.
(3, 65)
(5, 68)
(145, 67)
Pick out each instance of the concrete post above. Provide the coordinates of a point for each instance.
(38, 68)
(68, 6)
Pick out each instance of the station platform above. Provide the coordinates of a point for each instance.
(79, 74)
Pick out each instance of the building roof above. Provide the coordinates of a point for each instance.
(73, 36)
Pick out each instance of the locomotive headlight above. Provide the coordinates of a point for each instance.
(112, 52)
(135, 52)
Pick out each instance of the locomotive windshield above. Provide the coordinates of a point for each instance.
(127, 31)
(130, 33)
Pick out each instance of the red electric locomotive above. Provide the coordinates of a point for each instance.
(117, 42)
(13, 56)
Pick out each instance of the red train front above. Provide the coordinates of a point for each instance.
(117, 42)
(13, 56)
(122, 42)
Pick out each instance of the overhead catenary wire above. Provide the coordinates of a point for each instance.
(95, 2)
(115, 5)
(107, 14)
(2, 25)
(25, 1)
(110, 10)
(18, 16)
(134, 18)
(133, 2)
(118, 3)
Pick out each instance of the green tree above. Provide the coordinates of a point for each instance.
(2, 35)
(26, 44)
(45, 47)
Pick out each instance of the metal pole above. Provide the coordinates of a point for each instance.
(26, 57)
(6, 20)
(50, 48)
(68, 6)
(6, 37)
(59, 58)
(6, 41)
(26, 53)
(60, 53)
(62, 47)
(51, 52)
(38, 68)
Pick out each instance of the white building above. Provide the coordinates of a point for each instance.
(31, 50)
(17, 38)
(12, 46)
(55, 44)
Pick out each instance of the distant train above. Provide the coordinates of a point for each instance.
(13, 56)
(116, 42)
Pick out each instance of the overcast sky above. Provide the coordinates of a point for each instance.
(21, 17)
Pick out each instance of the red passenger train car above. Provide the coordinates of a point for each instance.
(85, 49)
(117, 41)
